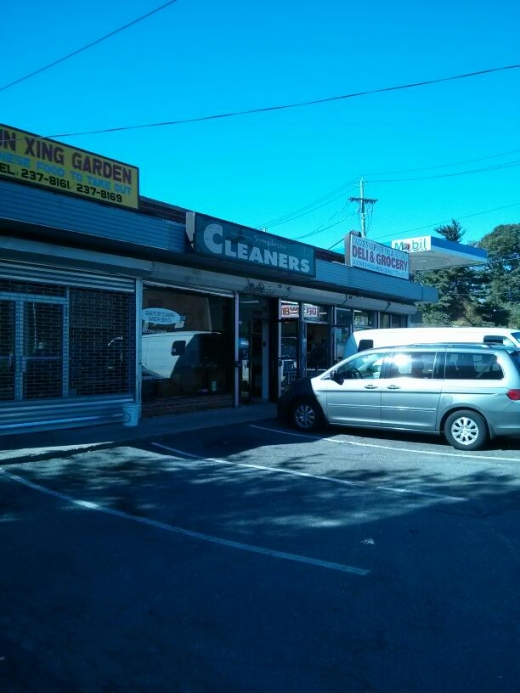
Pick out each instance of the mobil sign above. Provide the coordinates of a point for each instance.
(413, 245)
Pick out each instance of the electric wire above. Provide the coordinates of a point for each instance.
(457, 163)
(448, 221)
(510, 164)
(302, 211)
(310, 207)
(325, 226)
(312, 233)
(281, 107)
(436, 224)
(87, 46)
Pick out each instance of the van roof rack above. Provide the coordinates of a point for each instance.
(469, 345)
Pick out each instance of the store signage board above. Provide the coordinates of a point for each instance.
(376, 257)
(227, 241)
(28, 158)
(413, 245)
(292, 310)
(161, 316)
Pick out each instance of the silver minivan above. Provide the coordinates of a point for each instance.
(468, 392)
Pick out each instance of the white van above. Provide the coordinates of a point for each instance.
(368, 339)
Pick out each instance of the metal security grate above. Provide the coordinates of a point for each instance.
(58, 341)
(7, 362)
(25, 288)
(42, 355)
(101, 343)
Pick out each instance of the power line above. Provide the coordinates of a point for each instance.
(458, 163)
(447, 221)
(435, 224)
(336, 243)
(310, 207)
(302, 211)
(300, 104)
(89, 45)
(323, 227)
(450, 175)
(307, 209)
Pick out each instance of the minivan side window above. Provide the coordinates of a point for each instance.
(489, 368)
(366, 366)
(413, 364)
(469, 366)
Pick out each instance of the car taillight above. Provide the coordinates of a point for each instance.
(514, 395)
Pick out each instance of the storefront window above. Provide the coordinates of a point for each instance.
(364, 319)
(316, 320)
(391, 320)
(187, 344)
(341, 332)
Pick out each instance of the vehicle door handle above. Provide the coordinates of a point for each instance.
(370, 387)
(393, 387)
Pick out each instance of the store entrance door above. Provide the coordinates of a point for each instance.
(254, 349)
(31, 348)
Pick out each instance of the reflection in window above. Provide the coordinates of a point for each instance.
(412, 365)
(468, 366)
(187, 344)
(364, 366)
(364, 319)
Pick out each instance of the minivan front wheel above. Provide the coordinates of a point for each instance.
(466, 430)
(306, 414)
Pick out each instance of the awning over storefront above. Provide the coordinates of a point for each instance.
(430, 253)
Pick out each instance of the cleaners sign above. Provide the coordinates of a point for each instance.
(26, 158)
(369, 255)
(228, 241)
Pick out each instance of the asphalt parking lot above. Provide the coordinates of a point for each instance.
(251, 558)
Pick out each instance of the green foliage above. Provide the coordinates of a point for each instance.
(483, 295)
(503, 272)
(456, 285)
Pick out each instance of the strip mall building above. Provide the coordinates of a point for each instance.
(112, 303)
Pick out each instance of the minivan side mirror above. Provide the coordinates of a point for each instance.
(178, 347)
(337, 377)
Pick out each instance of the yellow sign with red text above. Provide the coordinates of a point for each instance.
(27, 158)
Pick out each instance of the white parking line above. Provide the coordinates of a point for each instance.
(331, 479)
(88, 505)
(460, 455)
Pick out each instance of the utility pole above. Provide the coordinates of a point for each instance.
(363, 203)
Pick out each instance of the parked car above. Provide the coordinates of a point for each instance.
(468, 392)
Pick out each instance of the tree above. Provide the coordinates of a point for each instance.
(458, 304)
(501, 277)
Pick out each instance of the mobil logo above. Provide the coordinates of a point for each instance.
(413, 245)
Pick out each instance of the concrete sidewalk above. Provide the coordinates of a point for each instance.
(46, 444)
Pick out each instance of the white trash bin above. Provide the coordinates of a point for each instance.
(131, 414)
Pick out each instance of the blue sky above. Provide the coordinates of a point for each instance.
(200, 57)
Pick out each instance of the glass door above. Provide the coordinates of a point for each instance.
(253, 347)
(288, 362)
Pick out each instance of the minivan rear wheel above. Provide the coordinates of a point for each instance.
(306, 414)
(466, 430)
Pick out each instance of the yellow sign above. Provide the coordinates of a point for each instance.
(26, 158)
